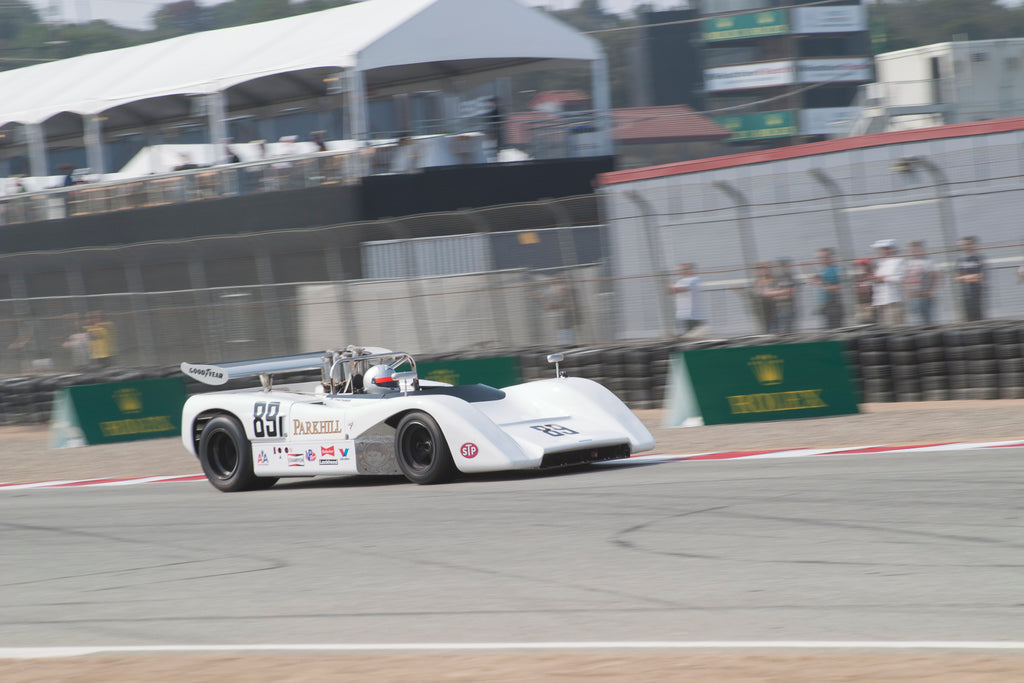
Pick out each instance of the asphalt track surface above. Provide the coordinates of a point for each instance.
(887, 547)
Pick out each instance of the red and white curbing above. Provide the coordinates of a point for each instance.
(807, 452)
(78, 483)
(655, 458)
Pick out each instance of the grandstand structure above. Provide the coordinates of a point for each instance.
(340, 57)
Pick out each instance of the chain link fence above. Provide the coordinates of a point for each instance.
(553, 274)
(730, 221)
(518, 275)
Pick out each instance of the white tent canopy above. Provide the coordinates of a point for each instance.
(390, 44)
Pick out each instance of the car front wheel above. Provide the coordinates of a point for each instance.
(422, 452)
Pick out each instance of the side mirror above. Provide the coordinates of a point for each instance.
(557, 358)
(407, 381)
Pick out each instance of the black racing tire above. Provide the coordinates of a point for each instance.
(931, 354)
(421, 450)
(226, 457)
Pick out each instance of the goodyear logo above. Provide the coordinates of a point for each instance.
(767, 368)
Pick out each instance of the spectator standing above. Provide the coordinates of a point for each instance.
(558, 298)
(761, 297)
(102, 340)
(689, 299)
(919, 280)
(784, 295)
(863, 287)
(829, 280)
(887, 296)
(69, 175)
(970, 274)
(78, 344)
(494, 123)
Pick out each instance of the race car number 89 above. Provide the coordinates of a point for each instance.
(554, 430)
(266, 421)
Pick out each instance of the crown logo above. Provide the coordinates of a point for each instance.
(443, 375)
(128, 400)
(766, 368)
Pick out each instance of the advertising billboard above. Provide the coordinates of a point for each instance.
(759, 126)
(759, 75)
(837, 69)
(841, 19)
(756, 25)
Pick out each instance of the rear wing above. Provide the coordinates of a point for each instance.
(332, 365)
(222, 372)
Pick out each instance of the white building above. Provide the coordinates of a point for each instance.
(955, 82)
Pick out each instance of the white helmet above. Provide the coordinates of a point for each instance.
(380, 380)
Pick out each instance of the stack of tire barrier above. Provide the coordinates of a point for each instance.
(973, 361)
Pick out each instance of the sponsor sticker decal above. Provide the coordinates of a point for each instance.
(328, 461)
(262, 459)
(469, 450)
(327, 451)
(310, 455)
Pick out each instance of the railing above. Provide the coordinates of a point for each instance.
(540, 135)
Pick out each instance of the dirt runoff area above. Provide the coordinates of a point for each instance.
(527, 667)
(878, 424)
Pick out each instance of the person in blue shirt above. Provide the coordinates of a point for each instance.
(829, 279)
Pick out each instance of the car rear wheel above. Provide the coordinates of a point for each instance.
(226, 456)
(423, 454)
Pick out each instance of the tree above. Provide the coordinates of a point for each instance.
(15, 15)
(923, 22)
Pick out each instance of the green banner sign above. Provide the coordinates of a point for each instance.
(772, 124)
(756, 25)
(118, 411)
(496, 372)
(756, 383)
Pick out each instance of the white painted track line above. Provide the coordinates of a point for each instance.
(81, 651)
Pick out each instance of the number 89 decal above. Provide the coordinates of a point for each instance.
(266, 420)
(554, 430)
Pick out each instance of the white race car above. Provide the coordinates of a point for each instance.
(371, 414)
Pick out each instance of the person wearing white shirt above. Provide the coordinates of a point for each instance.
(887, 298)
(689, 299)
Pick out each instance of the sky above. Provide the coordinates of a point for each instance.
(136, 13)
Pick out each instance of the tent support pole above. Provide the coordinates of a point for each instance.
(216, 113)
(36, 150)
(93, 139)
(601, 94)
(357, 114)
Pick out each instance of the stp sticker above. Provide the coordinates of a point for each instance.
(469, 450)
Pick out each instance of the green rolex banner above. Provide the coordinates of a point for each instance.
(754, 25)
(117, 411)
(756, 383)
(497, 372)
